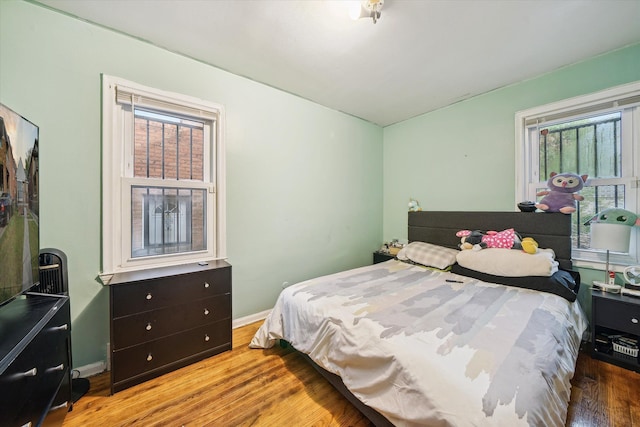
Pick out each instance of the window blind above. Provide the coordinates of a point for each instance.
(138, 98)
(633, 100)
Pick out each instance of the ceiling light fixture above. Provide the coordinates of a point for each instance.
(367, 9)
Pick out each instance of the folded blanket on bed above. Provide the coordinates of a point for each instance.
(509, 262)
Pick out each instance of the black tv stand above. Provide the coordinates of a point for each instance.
(35, 359)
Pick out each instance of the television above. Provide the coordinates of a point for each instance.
(19, 207)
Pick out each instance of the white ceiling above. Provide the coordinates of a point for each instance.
(421, 55)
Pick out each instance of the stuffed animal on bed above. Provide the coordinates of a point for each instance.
(491, 239)
(507, 239)
(529, 245)
(561, 197)
(471, 239)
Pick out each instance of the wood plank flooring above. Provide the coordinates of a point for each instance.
(277, 387)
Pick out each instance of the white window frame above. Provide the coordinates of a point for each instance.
(625, 99)
(117, 174)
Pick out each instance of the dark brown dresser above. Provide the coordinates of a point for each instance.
(166, 318)
(35, 360)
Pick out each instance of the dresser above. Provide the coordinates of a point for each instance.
(35, 360)
(166, 318)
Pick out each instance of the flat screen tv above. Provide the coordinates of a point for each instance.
(19, 207)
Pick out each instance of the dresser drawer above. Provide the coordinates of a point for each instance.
(29, 399)
(152, 294)
(28, 383)
(151, 325)
(152, 355)
(617, 315)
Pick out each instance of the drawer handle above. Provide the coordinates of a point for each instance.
(64, 327)
(206, 337)
(149, 357)
(206, 312)
(60, 367)
(31, 372)
(634, 320)
(206, 285)
(60, 406)
(148, 327)
(149, 296)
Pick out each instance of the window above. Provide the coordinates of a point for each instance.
(163, 178)
(596, 135)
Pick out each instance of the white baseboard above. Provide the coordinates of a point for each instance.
(91, 369)
(243, 321)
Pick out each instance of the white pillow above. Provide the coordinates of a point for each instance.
(428, 255)
(509, 262)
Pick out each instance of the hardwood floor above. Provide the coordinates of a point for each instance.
(277, 387)
(603, 395)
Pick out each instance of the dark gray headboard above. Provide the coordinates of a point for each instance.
(550, 230)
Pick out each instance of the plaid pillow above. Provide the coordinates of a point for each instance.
(428, 255)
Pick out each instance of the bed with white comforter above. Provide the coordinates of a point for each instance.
(425, 347)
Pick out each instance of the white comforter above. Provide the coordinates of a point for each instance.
(424, 351)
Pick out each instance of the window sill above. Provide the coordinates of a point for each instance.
(104, 278)
(158, 272)
(154, 270)
(600, 265)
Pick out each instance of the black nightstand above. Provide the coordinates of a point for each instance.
(381, 257)
(615, 314)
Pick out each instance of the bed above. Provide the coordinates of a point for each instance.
(445, 345)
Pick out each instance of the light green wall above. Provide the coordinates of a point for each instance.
(304, 182)
(462, 157)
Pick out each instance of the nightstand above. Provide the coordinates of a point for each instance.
(615, 314)
(381, 257)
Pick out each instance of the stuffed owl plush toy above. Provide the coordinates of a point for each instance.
(561, 195)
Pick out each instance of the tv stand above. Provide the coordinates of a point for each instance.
(35, 356)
